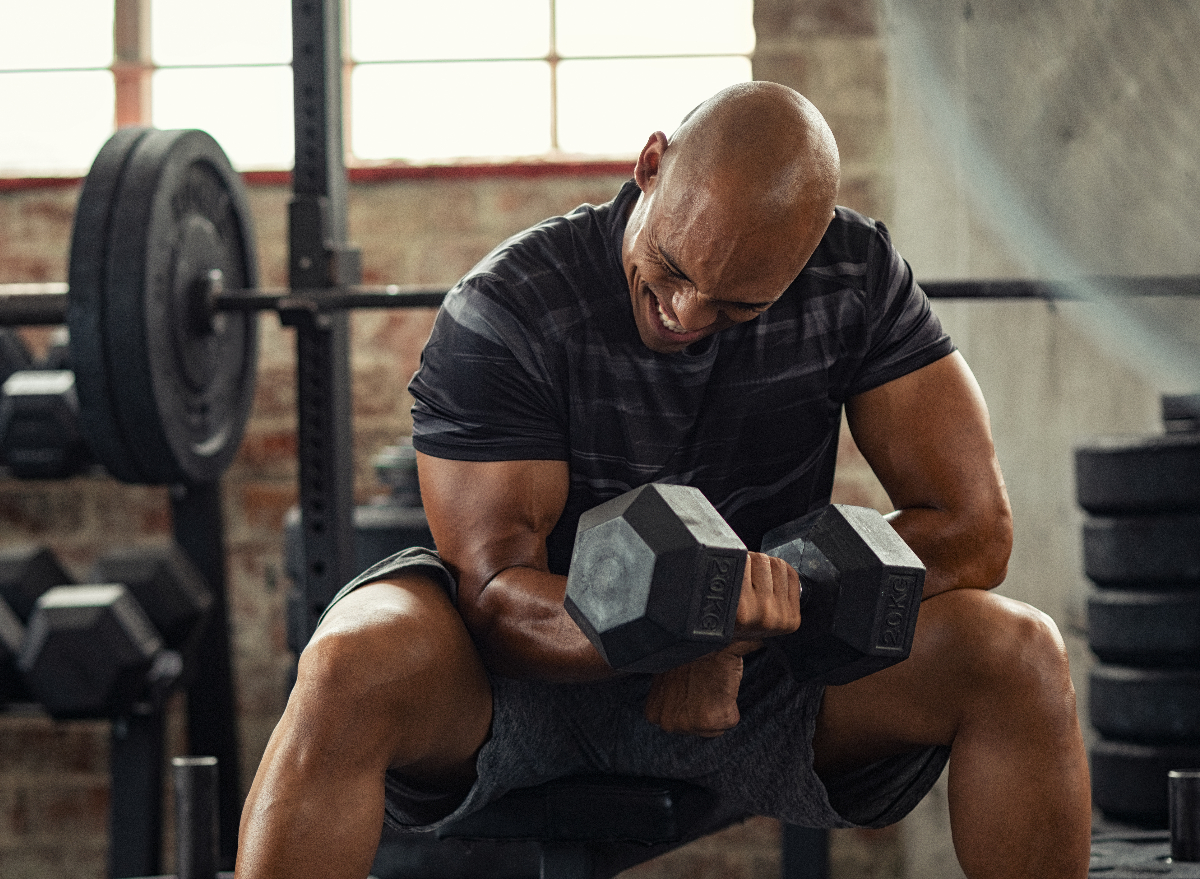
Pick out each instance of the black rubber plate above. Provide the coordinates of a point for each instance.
(1129, 781)
(1156, 474)
(1150, 706)
(186, 386)
(1152, 551)
(85, 304)
(1146, 628)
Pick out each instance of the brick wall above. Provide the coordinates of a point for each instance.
(53, 777)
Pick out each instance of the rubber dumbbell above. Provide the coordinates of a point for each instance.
(89, 652)
(96, 650)
(14, 355)
(167, 587)
(656, 575)
(861, 592)
(26, 572)
(40, 436)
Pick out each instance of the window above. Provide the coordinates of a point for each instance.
(527, 77)
(427, 80)
(56, 92)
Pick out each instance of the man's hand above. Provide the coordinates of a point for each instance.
(770, 599)
(700, 697)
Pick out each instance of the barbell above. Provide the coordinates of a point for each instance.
(161, 306)
(162, 301)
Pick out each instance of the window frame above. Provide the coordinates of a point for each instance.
(133, 69)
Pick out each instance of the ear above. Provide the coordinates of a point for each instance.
(645, 172)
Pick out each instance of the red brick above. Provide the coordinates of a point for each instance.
(268, 451)
(35, 744)
(263, 504)
(274, 393)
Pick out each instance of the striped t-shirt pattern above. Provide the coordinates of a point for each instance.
(535, 356)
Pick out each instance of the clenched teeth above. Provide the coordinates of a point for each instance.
(668, 323)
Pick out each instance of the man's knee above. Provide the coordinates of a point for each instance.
(999, 649)
(392, 664)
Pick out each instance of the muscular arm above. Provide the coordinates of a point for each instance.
(927, 437)
(490, 521)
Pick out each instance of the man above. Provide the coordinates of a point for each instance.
(705, 327)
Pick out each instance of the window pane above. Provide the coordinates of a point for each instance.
(64, 120)
(55, 33)
(654, 27)
(614, 106)
(247, 109)
(220, 31)
(390, 30)
(426, 111)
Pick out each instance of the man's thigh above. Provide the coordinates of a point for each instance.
(971, 651)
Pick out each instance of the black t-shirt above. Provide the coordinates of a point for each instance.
(535, 356)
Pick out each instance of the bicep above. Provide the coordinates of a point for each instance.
(489, 516)
(927, 436)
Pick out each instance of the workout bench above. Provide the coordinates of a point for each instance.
(586, 826)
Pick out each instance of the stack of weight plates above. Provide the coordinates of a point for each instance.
(1141, 550)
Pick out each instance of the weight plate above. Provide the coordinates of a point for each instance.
(1129, 781)
(1142, 550)
(1145, 628)
(186, 379)
(85, 305)
(1156, 474)
(1150, 706)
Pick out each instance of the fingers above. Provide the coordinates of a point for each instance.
(770, 599)
(698, 698)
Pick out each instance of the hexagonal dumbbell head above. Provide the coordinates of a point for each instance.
(26, 571)
(861, 591)
(88, 650)
(166, 585)
(40, 436)
(655, 578)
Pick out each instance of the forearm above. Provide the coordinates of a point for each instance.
(523, 630)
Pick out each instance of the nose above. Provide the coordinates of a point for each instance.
(691, 312)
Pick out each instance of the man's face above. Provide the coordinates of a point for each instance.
(697, 269)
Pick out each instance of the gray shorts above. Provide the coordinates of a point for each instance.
(763, 766)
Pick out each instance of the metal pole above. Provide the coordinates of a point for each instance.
(805, 853)
(135, 795)
(199, 529)
(195, 816)
(320, 259)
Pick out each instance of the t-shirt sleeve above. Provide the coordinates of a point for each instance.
(484, 390)
(903, 333)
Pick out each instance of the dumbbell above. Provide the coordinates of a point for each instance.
(656, 574)
(14, 355)
(40, 435)
(26, 572)
(95, 650)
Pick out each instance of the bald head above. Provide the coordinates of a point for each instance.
(761, 144)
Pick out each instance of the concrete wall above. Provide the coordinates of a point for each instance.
(1049, 139)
